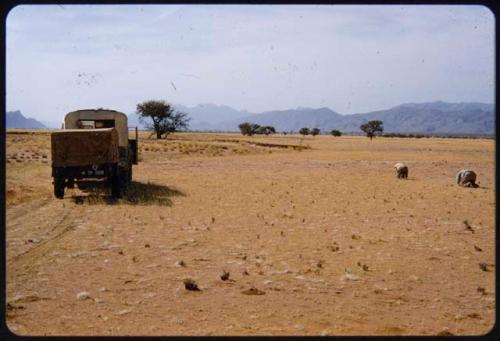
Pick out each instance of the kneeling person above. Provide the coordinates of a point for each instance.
(401, 170)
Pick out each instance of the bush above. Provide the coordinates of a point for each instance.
(249, 128)
(315, 131)
(304, 131)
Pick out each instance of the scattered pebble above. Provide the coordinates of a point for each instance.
(445, 333)
(83, 296)
(225, 275)
(123, 312)
(474, 316)
(253, 291)
(468, 227)
(191, 285)
(349, 277)
(364, 266)
(484, 266)
(482, 290)
(477, 248)
(180, 264)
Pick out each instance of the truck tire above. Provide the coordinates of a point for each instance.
(129, 173)
(70, 183)
(59, 187)
(116, 186)
(118, 182)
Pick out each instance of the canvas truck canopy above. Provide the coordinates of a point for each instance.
(84, 147)
(99, 118)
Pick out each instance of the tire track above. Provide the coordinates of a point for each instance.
(62, 227)
(16, 213)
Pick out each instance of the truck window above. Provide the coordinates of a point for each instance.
(93, 124)
(86, 124)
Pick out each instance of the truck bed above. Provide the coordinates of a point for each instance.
(83, 147)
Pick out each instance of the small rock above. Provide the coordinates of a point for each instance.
(484, 266)
(147, 245)
(245, 272)
(225, 275)
(477, 248)
(474, 316)
(123, 312)
(349, 277)
(468, 227)
(253, 291)
(482, 290)
(83, 296)
(191, 285)
(180, 264)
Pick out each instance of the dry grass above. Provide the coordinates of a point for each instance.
(208, 145)
(336, 242)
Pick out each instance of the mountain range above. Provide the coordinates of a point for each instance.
(15, 119)
(427, 118)
(432, 117)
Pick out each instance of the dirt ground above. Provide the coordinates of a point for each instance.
(317, 234)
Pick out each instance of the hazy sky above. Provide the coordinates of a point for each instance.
(256, 57)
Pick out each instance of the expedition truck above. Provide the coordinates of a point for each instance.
(93, 145)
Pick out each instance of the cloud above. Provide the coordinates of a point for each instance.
(257, 57)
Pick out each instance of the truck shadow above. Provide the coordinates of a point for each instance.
(136, 193)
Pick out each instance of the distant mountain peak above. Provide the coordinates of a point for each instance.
(15, 119)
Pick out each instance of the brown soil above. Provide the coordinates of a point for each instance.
(279, 241)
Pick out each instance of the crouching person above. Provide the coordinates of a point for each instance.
(401, 170)
(466, 178)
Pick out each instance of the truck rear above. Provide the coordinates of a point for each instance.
(96, 147)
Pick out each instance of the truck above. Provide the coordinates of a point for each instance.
(94, 145)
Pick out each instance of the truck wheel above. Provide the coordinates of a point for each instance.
(130, 173)
(59, 188)
(70, 183)
(116, 187)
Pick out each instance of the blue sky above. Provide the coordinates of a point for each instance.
(350, 58)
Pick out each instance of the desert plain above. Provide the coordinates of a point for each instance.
(315, 236)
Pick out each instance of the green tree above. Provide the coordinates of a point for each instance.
(335, 132)
(161, 117)
(266, 130)
(304, 131)
(315, 131)
(249, 129)
(371, 128)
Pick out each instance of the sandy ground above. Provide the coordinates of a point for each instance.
(318, 241)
